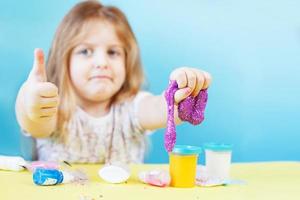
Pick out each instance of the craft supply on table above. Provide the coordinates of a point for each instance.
(114, 173)
(42, 176)
(218, 160)
(183, 163)
(32, 166)
(160, 178)
(190, 109)
(12, 163)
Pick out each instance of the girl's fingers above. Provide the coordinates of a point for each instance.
(45, 118)
(42, 109)
(207, 78)
(36, 112)
(42, 102)
(49, 102)
(47, 90)
(199, 83)
(181, 94)
(180, 77)
(191, 79)
(47, 112)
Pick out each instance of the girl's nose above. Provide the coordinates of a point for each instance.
(100, 60)
(101, 66)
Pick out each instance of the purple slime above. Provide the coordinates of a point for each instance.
(190, 109)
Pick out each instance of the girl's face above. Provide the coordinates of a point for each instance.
(97, 64)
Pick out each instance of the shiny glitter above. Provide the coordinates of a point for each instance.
(190, 109)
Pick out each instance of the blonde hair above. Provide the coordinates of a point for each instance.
(69, 32)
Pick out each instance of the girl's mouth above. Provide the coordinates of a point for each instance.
(100, 77)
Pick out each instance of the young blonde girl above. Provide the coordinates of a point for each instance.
(86, 104)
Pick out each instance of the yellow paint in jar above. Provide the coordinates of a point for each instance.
(183, 164)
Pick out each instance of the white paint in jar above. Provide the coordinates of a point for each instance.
(218, 160)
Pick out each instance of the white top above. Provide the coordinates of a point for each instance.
(116, 137)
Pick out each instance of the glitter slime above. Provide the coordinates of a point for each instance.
(190, 109)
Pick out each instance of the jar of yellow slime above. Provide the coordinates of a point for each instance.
(183, 164)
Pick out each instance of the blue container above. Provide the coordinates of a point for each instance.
(43, 176)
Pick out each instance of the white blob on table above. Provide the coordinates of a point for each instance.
(114, 174)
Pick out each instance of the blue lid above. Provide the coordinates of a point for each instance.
(217, 146)
(186, 149)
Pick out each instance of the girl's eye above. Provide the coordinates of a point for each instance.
(86, 52)
(113, 52)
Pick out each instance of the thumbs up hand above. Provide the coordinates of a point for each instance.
(40, 97)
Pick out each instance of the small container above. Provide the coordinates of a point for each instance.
(218, 160)
(43, 176)
(183, 164)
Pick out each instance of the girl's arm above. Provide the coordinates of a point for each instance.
(37, 101)
(152, 110)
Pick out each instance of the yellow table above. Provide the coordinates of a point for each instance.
(274, 180)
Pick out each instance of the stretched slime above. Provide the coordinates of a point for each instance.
(190, 109)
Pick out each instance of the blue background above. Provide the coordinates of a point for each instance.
(252, 50)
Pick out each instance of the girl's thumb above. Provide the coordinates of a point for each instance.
(181, 94)
(38, 72)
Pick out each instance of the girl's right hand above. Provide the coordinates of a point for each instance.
(40, 97)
